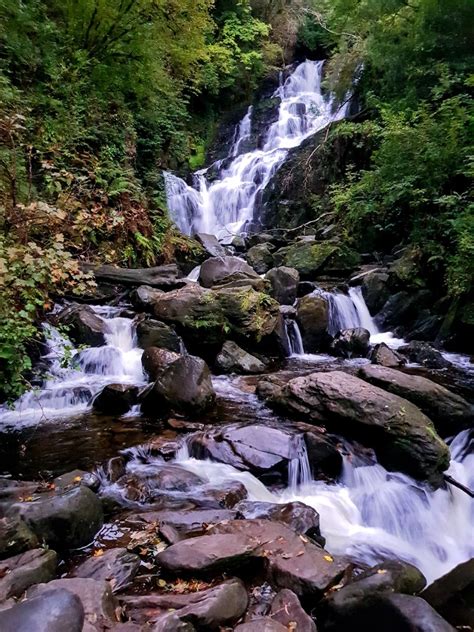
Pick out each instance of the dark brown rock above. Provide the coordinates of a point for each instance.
(233, 359)
(217, 270)
(84, 325)
(313, 321)
(153, 333)
(156, 360)
(117, 566)
(284, 282)
(286, 609)
(115, 399)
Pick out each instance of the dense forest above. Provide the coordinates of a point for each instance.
(97, 97)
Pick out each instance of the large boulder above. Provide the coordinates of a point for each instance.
(375, 290)
(84, 326)
(260, 257)
(383, 355)
(64, 521)
(351, 343)
(233, 359)
(155, 360)
(184, 386)
(115, 399)
(311, 258)
(211, 245)
(449, 412)
(153, 333)
(403, 437)
(313, 321)
(424, 354)
(144, 297)
(219, 270)
(22, 571)
(284, 282)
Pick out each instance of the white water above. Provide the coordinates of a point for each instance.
(348, 311)
(295, 341)
(71, 385)
(226, 204)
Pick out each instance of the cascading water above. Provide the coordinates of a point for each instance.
(76, 376)
(226, 204)
(295, 341)
(348, 311)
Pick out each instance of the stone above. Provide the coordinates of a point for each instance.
(71, 479)
(402, 436)
(284, 282)
(233, 359)
(185, 386)
(260, 257)
(452, 595)
(224, 495)
(98, 602)
(153, 333)
(323, 456)
(115, 399)
(292, 561)
(144, 485)
(351, 343)
(304, 288)
(65, 521)
(84, 325)
(190, 523)
(424, 354)
(313, 321)
(262, 624)
(402, 309)
(383, 355)
(117, 566)
(449, 412)
(156, 360)
(217, 270)
(22, 571)
(54, 611)
(311, 258)
(211, 245)
(172, 623)
(15, 536)
(144, 297)
(375, 290)
(208, 553)
(286, 609)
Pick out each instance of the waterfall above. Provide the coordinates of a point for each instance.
(348, 311)
(75, 376)
(226, 204)
(295, 341)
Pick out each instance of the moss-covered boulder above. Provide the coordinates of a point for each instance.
(311, 258)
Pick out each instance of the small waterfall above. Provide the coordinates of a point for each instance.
(348, 311)
(295, 341)
(299, 469)
(226, 204)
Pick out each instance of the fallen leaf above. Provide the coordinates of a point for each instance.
(328, 558)
(98, 553)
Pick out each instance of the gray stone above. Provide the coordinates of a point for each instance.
(117, 566)
(211, 245)
(233, 359)
(284, 282)
(286, 609)
(383, 355)
(218, 270)
(15, 536)
(313, 321)
(84, 325)
(153, 333)
(22, 571)
(351, 343)
(260, 257)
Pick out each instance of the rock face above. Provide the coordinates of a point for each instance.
(115, 399)
(313, 321)
(22, 571)
(449, 412)
(54, 611)
(403, 437)
(153, 333)
(220, 270)
(68, 520)
(156, 360)
(351, 343)
(233, 359)
(284, 282)
(84, 326)
(184, 386)
(383, 355)
(260, 257)
(424, 354)
(117, 566)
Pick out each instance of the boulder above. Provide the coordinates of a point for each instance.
(54, 611)
(144, 485)
(284, 282)
(351, 343)
(117, 566)
(260, 257)
(153, 333)
(311, 258)
(115, 399)
(323, 456)
(452, 595)
(172, 623)
(424, 354)
(449, 412)
(233, 359)
(211, 245)
(179, 525)
(313, 321)
(383, 355)
(156, 360)
(375, 290)
(402, 436)
(15, 536)
(144, 297)
(304, 288)
(85, 327)
(286, 609)
(185, 386)
(22, 571)
(208, 553)
(219, 270)
(64, 521)
(402, 308)
(165, 277)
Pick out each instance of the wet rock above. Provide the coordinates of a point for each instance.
(172, 623)
(313, 321)
(71, 479)
(153, 333)
(218, 270)
(225, 495)
(403, 437)
(185, 386)
(176, 478)
(424, 354)
(286, 609)
(311, 258)
(304, 288)
(425, 327)
(185, 524)
(323, 456)
(54, 611)
(449, 412)
(22, 571)
(144, 297)
(375, 290)
(84, 325)
(96, 597)
(351, 343)
(208, 553)
(233, 359)
(402, 308)
(115, 399)
(284, 282)
(156, 360)
(260, 257)
(263, 624)
(67, 520)
(144, 485)
(383, 355)
(15, 536)
(117, 566)
(452, 595)
(115, 468)
(164, 277)
(209, 609)
(211, 245)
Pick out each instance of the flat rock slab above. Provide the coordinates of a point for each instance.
(178, 525)
(22, 571)
(117, 566)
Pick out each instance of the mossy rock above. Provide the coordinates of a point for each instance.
(312, 258)
(406, 269)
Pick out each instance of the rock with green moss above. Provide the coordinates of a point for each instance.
(312, 315)
(311, 258)
(260, 257)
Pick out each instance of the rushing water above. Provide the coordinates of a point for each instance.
(224, 205)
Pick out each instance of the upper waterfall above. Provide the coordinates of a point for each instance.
(225, 205)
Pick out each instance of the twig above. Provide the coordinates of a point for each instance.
(463, 488)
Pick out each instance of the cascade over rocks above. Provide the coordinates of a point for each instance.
(424, 354)
(403, 437)
(233, 359)
(351, 343)
(284, 282)
(84, 326)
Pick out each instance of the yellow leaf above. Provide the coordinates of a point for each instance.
(381, 571)
(98, 552)
(161, 583)
(328, 558)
